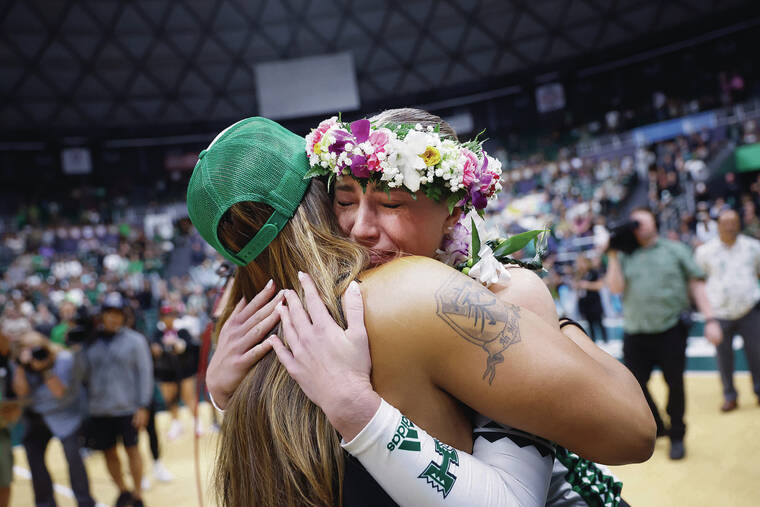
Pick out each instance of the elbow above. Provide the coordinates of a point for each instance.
(642, 445)
(638, 443)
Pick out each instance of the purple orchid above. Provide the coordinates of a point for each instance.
(360, 130)
(359, 166)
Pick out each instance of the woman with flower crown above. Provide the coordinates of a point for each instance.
(516, 328)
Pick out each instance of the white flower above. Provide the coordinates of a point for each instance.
(409, 161)
(488, 270)
(418, 127)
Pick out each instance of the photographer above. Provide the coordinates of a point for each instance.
(49, 378)
(120, 382)
(656, 277)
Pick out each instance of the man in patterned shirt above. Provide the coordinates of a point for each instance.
(732, 264)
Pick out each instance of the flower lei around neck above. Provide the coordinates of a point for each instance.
(416, 158)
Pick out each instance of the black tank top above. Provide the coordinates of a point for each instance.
(360, 489)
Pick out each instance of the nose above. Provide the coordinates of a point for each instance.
(365, 230)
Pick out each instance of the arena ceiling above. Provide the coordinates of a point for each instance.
(90, 64)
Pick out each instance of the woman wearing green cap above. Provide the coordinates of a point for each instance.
(431, 329)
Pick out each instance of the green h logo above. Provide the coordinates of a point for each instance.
(405, 438)
(439, 476)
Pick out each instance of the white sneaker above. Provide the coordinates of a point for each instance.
(145, 483)
(175, 430)
(161, 473)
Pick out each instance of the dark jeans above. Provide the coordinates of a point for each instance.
(35, 443)
(749, 329)
(642, 352)
(595, 320)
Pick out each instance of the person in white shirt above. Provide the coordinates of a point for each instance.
(732, 264)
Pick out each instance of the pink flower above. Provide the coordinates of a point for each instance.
(373, 163)
(470, 165)
(316, 134)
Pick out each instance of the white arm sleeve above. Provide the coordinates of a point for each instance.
(416, 469)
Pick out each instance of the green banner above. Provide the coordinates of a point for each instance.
(748, 158)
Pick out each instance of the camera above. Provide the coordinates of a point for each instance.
(40, 353)
(622, 236)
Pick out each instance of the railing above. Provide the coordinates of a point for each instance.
(669, 129)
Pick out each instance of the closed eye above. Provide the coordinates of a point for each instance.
(344, 204)
(391, 206)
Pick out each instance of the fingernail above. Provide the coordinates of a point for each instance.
(300, 275)
(353, 286)
(269, 284)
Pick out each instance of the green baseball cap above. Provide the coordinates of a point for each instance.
(255, 160)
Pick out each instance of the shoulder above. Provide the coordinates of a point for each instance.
(677, 248)
(406, 275)
(133, 337)
(752, 243)
(401, 297)
(703, 250)
(527, 290)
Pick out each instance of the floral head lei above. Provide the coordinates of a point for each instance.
(403, 155)
(417, 158)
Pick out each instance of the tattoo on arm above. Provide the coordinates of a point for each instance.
(479, 317)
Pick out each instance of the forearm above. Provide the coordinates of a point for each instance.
(55, 384)
(699, 295)
(416, 469)
(352, 411)
(614, 277)
(20, 383)
(628, 390)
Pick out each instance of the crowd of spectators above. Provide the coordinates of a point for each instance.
(59, 283)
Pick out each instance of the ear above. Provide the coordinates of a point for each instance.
(451, 220)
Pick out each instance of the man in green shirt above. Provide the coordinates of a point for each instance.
(656, 281)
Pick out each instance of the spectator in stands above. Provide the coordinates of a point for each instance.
(732, 264)
(68, 313)
(50, 377)
(588, 283)
(10, 411)
(751, 220)
(706, 228)
(120, 384)
(655, 281)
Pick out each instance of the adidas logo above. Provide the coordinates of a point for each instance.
(405, 437)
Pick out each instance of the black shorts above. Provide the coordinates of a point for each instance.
(102, 433)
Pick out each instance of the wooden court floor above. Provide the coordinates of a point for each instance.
(721, 466)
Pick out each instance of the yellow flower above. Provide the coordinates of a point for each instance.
(431, 156)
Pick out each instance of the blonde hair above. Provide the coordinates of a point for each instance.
(277, 448)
